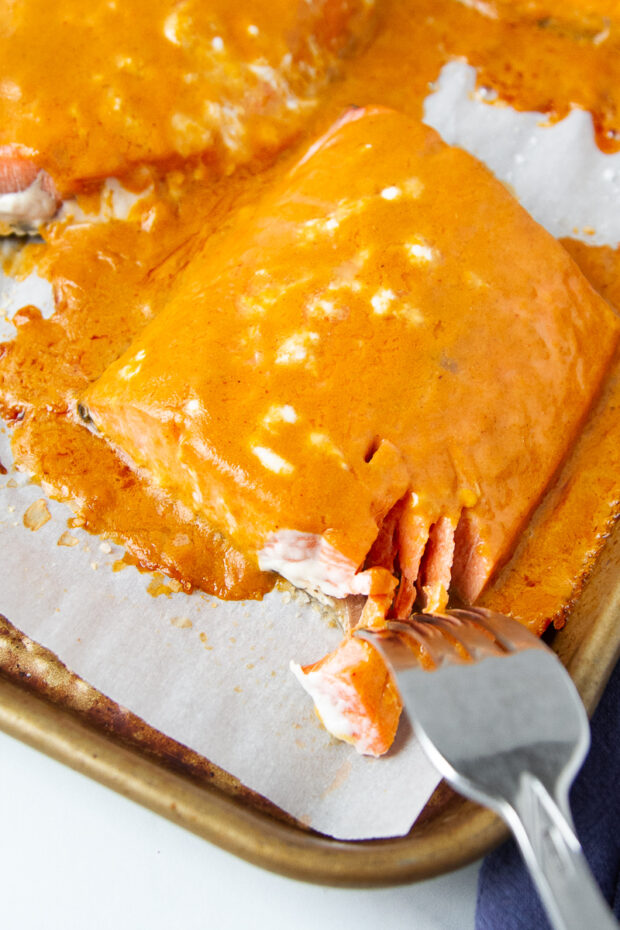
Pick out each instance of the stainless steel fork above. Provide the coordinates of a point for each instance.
(500, 718)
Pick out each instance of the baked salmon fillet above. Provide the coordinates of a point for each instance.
(89, 93)
(369, 380)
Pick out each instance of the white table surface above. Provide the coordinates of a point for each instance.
(76, 855)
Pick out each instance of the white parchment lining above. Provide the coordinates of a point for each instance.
(214, 675)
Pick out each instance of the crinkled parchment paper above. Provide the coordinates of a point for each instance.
(214, 675)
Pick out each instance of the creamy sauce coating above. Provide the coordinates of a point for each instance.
(91, 92)
(452, 391)
(111, 280)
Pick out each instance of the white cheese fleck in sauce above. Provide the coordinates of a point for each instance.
(295, 348)
(129, 371)
(192, 407)
(382, 301)
(272, 460)
(324, 309)
(413, 188)
(419, 252)
(325, 444)
(171, 28)
(279, 414)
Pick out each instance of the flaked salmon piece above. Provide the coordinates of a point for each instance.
(308, 561)
(405, 598)
(470, 567)
(435, 573)
(17, 172)
(28, 196)
(412, 534)
(385, 548)
(355, 696)
(379, 600)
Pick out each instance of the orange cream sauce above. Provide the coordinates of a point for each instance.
(531, 62)
(90, 91)
(110, 280)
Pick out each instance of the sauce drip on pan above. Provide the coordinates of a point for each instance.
(110, 279)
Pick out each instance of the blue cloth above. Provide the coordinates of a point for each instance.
(507, 899)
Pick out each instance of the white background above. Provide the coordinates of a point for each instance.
(76, 855)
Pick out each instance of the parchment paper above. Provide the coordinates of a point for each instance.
(214, 675)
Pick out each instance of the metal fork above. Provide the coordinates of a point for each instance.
(500, 718)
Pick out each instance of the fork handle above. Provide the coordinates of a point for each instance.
(542, 826)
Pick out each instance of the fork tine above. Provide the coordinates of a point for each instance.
(462, 635)
(479, 643)
(427, 649)
(413, 644)
(432, 642)
(393, 646)
(511, 634)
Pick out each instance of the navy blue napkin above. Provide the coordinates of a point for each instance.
(507, 899)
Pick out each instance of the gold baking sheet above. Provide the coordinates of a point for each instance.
(44, 705)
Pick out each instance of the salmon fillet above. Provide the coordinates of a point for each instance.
(156, 83)
(369, 380)
(473, 349)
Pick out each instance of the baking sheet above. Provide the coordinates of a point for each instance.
(214, 675)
